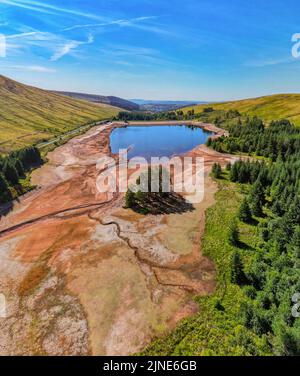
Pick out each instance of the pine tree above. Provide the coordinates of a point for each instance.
(245, 212)
(257, 199)
(11, 173)
(233, 235)
(237, 269)
(19, 167)
(256, 206)
(129, 199)
(217, 170)
(5, 194)
(228, 166)
(234, 173)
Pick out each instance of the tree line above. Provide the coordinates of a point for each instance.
(272, 276)
(147, 116)
(14, 166)
(208, 115)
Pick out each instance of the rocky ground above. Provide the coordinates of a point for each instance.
(82, 275)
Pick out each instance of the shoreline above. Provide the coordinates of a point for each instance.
(209, 127)
(111, 125)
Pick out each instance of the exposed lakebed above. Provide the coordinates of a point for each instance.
(157, 140)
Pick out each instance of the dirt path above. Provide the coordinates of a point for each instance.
(82, 275)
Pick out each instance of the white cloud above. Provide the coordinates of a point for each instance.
(137, 22)
(34, 68)
(25, 6)
(26, 35)
(58, 45)
(64, 50)
(269, 62)
(43, 7)
(68, 47)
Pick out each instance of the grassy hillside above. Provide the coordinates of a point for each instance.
(110, 100)
(268, 108)
(28, 114)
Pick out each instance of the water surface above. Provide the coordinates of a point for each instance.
(157, 140)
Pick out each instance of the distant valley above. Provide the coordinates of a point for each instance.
(163, 105)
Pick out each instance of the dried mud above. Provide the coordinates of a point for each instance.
(82, 275)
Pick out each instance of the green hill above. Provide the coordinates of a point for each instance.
(269, 108)
(29, 115)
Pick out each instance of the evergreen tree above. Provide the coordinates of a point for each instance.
(129, 199)
(234, 173)
(273, 268)
(11, 173)
(233, 235)
(257, 199)
(5, 194)
(228, 167)
(237, 269)
(19, 167)
(245, 212)
(217, 170)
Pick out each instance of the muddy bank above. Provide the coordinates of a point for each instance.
(81, 275)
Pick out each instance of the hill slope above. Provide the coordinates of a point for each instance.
(269, 108)
(110, 100)
(28, 114)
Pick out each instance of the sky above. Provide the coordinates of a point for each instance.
(203, 50)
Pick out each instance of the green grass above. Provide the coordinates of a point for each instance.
(23, 187)
(268, 108)
(29, 115)
(217, 328)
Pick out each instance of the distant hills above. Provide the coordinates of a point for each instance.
(161, 106)
(28, 114)
(151, 101)
(132, 104)
(110, 100)
(272, 107)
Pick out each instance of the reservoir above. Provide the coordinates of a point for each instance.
(157, 140)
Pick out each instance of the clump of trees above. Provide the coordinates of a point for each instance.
(153, 194)
(216, 171)
(149, 116)
(272, 274)
(279, 139)
(152, 187)
(209, 115)
(14, 166)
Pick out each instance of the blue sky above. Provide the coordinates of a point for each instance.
(153, 49)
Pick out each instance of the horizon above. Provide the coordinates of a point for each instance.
(153, 50)
(159, 100)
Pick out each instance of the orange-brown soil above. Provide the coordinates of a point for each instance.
(82, 275)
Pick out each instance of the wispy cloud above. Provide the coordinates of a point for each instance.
(15, 43)
(26, 35)
(269, 62)
(33, 68)
(137, 22)
(133, 56)
(68, 47)
(58, 45)
(153, 29)
(46, 8)
(26, 6)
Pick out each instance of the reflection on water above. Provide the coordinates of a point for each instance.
(157, 141)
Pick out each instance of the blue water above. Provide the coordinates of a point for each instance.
(157, 141)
